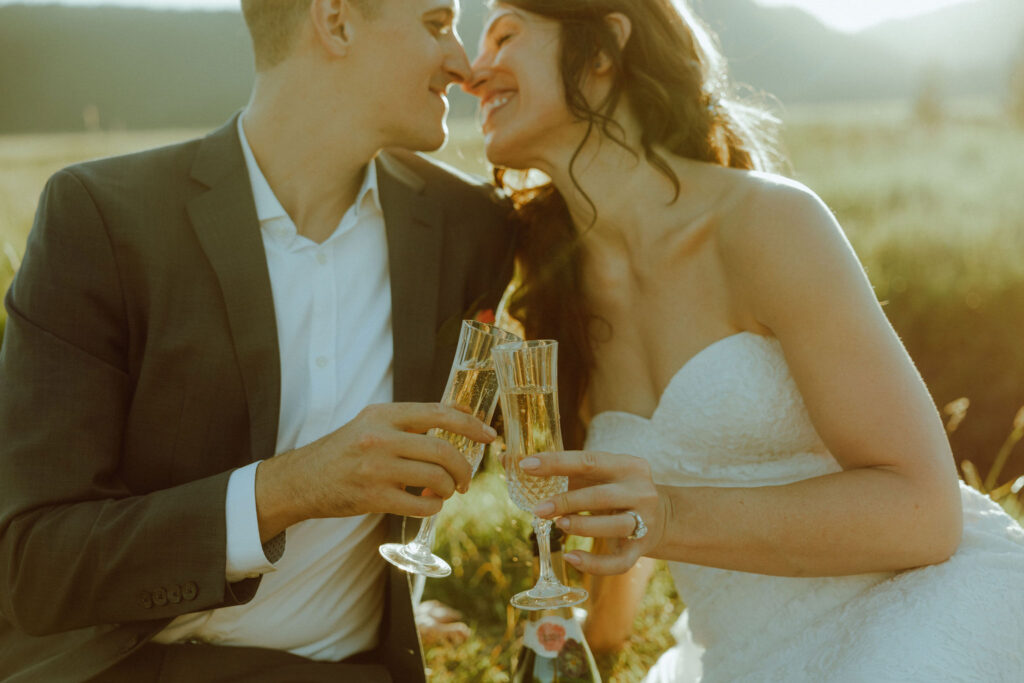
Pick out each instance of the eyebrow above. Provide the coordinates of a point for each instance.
(450, 14)
(450, 8)
(497, 18)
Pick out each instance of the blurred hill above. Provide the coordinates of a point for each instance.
(972, 44)
(135, 68)
(65, 68)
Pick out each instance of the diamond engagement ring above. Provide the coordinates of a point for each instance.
(640, 530)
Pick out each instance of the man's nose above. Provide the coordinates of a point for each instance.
(457, 62)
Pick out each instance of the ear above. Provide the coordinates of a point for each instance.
(332, 25)
(620, 27)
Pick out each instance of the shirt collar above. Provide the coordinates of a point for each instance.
(267, 205)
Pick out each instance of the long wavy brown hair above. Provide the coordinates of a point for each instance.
(673, 78)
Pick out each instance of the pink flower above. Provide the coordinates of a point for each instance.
(551, 636)
(485, 316)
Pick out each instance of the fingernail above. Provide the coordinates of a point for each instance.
(490, 431)
(543, 509)
(529, 463)
(462, 488)
(572, 558)
(562, 522)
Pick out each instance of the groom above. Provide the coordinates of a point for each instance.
(216, 355)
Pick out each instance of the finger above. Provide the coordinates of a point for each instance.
(425, 475)
(601, 565)
(398, 502)
(431, 449)
(584, 467)
(596, 499)
(619, 525)
(422, 417)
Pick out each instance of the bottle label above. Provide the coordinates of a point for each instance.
(560, 643)
(550, 635)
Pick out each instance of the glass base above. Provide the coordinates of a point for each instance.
(543, 597)
(428, 564)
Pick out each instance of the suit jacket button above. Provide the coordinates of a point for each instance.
(190, 590)
(174, 594)
(160, 597)
(146, 600)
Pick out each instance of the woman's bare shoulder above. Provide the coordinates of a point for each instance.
(769, 215)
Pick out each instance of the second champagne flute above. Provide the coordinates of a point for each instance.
(471, 386)
(528, 380)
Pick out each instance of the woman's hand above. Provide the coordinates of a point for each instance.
(606, 487)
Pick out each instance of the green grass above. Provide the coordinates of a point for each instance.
(937, 217)
(484, 536)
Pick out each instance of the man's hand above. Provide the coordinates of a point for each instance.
(366, 465)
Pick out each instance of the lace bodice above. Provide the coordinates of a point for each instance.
(733, 416)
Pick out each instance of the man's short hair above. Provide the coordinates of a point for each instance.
(274, 24)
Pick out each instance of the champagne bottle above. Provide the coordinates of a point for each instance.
(553, 649)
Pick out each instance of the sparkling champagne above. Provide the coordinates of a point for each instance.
(473, 387)
(531, 426)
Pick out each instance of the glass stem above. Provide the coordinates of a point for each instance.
(424, 541)
(542, 528)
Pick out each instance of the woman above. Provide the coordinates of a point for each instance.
(750, 415)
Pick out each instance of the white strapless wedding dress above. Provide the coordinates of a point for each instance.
(732, 416)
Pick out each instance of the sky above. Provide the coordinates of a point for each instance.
(845, 15)
(852, 15)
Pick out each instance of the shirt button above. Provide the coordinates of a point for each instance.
(321, 258)
(321, 362)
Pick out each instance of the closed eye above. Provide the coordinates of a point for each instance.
(440, 28)
(502, 39)
(440, 22)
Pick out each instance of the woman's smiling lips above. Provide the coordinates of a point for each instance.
(494, 102)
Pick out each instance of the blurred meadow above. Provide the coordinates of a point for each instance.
(933, 207)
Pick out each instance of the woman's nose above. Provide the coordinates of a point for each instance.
(479, 72)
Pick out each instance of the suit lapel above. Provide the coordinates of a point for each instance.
(415, 240)
(224, 219)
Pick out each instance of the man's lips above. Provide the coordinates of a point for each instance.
(441, 95)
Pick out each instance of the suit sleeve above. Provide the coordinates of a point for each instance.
(77, 547)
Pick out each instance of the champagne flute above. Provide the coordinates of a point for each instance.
(527, 378)
(472, 386)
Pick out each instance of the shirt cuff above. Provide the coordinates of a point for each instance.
(246, 558)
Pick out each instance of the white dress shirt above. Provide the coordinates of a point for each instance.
(323, 599)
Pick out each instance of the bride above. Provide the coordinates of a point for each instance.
(749, 413)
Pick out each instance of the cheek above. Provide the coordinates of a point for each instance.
(545, 105)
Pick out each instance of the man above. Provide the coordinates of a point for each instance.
(210, 358)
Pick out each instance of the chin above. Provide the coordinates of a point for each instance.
(435, 143)
(505, 155)
(424, 141)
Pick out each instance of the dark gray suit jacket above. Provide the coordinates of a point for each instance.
(140, 366)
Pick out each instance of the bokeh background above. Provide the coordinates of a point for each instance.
(906, 117)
